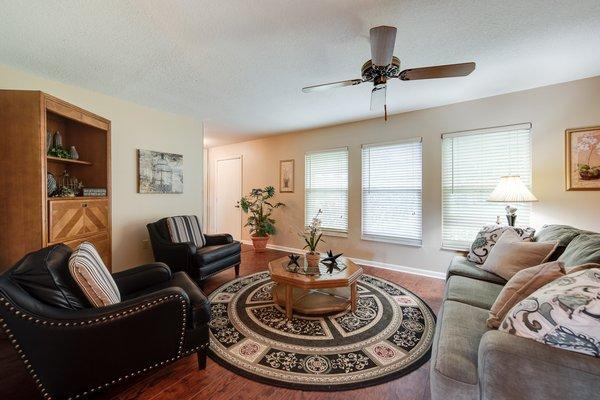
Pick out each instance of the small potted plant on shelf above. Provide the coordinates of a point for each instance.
(259, 210)
(312, 236)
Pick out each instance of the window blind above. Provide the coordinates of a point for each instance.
(392, 192)
(326, 188)
(472, 164)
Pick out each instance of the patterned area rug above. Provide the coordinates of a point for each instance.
(388, 336)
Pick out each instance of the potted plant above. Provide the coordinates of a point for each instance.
(259, 209)
(312, 236)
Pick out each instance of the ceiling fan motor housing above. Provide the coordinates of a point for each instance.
(377, 74)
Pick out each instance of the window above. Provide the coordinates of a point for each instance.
(472, 164)
(326, 187)
(392, 192)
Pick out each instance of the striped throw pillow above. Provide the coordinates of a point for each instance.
(186, 228)
(92, 276)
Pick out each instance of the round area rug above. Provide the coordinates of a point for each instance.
(388, 336)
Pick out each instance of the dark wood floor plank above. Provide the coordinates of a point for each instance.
(182, 381)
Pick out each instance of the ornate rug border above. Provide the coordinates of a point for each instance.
(326, 388)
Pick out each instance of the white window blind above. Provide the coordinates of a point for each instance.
(326, 188)
(472, 164)
(392, 192)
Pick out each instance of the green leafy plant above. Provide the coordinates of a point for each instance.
(312, 234)
(259, 210)
(58, 152)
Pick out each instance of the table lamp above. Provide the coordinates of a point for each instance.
(511, 189)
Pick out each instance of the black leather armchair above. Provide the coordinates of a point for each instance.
(72, 349)
(220, 252)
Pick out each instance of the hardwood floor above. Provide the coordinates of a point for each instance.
(182, 380)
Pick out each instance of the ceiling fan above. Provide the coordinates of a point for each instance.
(383, 66)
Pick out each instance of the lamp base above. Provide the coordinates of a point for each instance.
(511, 218)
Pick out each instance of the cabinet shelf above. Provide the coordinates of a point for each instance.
(67, 160)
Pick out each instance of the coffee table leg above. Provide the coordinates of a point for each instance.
(353, 296)
(288, 301)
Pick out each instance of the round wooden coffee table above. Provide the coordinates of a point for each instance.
(315, 294)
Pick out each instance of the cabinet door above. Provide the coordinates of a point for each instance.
(100, 242)
(67, 220)
(74, 218)
(95, 216)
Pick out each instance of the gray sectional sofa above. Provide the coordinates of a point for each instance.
(471, 361)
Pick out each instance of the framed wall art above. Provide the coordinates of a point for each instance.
(159, 172)
(286, 176)
(582, 147)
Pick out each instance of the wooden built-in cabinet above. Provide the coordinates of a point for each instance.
(29, 218)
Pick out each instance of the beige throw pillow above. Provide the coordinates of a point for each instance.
(511, 254)
(520, 286)
(92, 276)
(582, 267)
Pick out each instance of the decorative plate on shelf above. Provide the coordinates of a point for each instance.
(52, 186)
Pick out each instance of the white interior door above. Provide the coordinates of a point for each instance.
(228, 191)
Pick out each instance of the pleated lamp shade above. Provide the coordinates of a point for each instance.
(511, 189)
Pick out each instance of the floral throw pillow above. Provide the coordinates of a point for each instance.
(487, 238)
(565, 314)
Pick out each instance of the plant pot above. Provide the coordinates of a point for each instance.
(259, 243)
(312, 259)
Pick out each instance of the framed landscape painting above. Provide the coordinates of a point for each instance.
(582, 148)
(159, 172)
(286, 176)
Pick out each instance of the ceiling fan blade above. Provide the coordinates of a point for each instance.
(437, 71)
(326, 86)
(382, 45)
(378, 98)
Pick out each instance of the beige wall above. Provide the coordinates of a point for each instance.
(550, 109)
(133, 127)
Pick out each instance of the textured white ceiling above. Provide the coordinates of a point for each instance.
(239, 64)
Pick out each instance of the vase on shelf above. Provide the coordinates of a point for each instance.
(74, 153)
(57, 140)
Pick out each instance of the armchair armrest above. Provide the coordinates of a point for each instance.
(220, 238)
(138, 278)
(512, 367)
(72, 352)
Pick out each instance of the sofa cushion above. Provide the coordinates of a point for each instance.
(563, 234)
(209, 254)
(186, 229)
(460, 266)
(455, 351)
(472, 291)
(44, 274)
(92, 276)
(487, 237)
(584, 249)
(511, 254)
(522, 285)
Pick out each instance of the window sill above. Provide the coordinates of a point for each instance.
(404, 242)
(334, 233)
(457, 248)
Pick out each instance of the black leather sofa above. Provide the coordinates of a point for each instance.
(219, 253)
(72, 349)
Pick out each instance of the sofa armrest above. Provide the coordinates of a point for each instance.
(138, 278)
(512, 367)
(220, 238)
(72, 352)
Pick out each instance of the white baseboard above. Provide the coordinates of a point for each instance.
(370, 263)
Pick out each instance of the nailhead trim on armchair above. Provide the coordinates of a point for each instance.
(95, 321)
